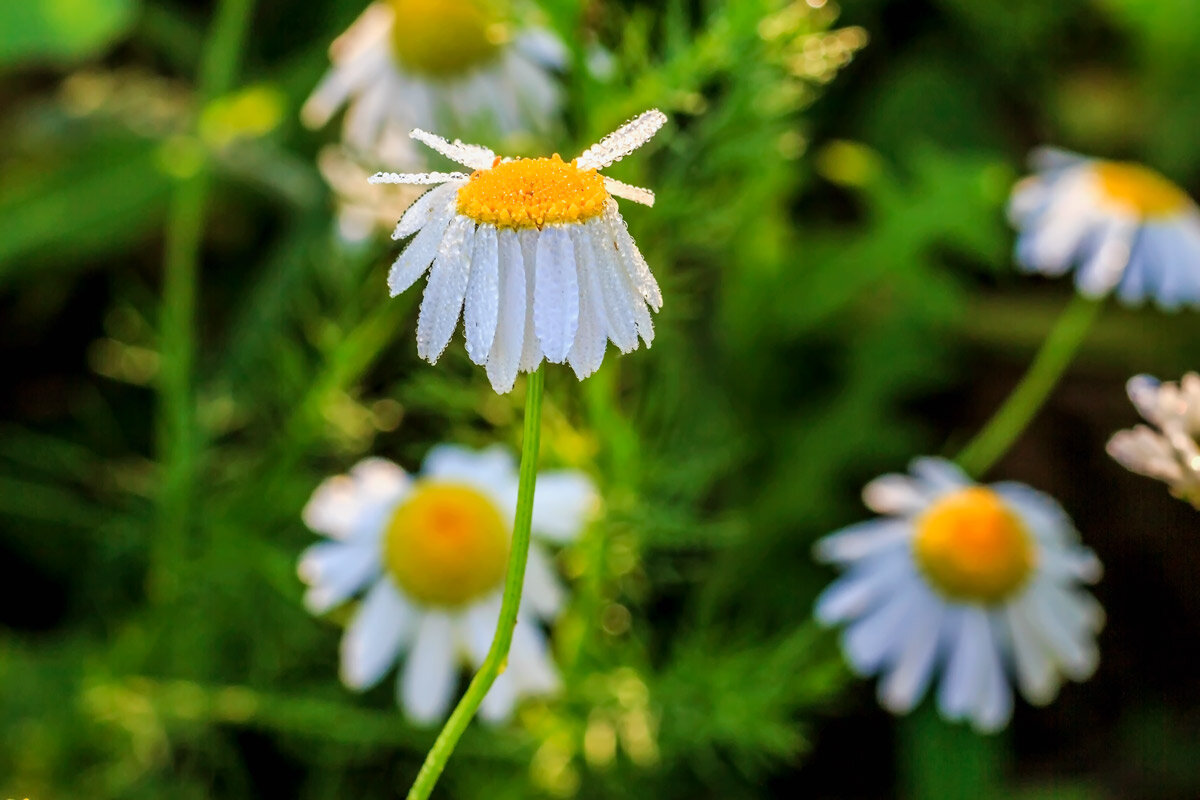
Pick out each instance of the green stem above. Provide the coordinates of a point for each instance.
(948, 761)
(177, 432)
(497, 656)
(991, 443)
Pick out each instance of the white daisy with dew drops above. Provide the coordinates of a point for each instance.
(532, 253)
(981, 584)
(1121, 226)
(430, 554)
(436, 63)
(1166, 449)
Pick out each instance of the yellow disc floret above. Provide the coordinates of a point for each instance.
(445, 38)
(972, 547)
(446, 544)
(1140, 190)
(532, 193)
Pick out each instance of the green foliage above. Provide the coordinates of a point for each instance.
(61, 30)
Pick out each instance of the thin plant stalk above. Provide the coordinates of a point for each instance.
(178, 435)
(497, 656)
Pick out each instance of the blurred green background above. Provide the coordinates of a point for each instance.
(831, 243)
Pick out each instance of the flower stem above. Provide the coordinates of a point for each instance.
(178, 436)
(497, 656)
(991, 443)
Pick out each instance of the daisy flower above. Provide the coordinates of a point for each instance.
(1169, 453)
(977, 583)
(430, 553)
(532, 253)
(1120, 226)
(431, 63)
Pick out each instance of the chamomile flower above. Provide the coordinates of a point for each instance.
(1121, 227)
(532, 253)
(1169, 453)
(979, 583)
(436, 63)
(431, 554)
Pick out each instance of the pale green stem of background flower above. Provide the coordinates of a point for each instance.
(178, 435)
(946, 761)
(514, 582)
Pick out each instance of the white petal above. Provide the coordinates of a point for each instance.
(906, 682)
(469, 155)
(482, 306)
(591, 339)
(1036, 673)
(635, 264)
(939, 475)
(556, 302)
(1107, 259)
(623, 190)
(431, 672)
(870, 641)
(505, 355)
(498, 703)
(994, 707)
(492, 470)
(965, 679)
(563, 503)
(416, 178)
(623, 141)
(376, 636)
(443, 300)
(415, 260)
(418, 215)
(336, 570)
(618, 295)
(531, 353)
(529, 660)
(1074, 649)
(895, 494)
(862, 540)
(862, 588)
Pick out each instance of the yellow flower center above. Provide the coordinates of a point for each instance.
(1140, 190)
(445, 38)
(531, 193)
(446, 544)
(972, 548)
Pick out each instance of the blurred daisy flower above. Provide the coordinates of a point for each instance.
(431, 553)
(532, 253)
(363, 209)
(979, 583)
(1169, 453)
(433, 63)
(1121, 226)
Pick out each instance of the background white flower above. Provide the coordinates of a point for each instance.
(976, 582)
(1169, 453)
(432, 552)
(436, 64)
(1120, 226)
(533, 254)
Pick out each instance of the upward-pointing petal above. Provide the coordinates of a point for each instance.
(623, 141)
(469, 155)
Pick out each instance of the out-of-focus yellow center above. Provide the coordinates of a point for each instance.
(532, 192)
(972, 548)
(445, 38)
(446, 545)
(1140, 190)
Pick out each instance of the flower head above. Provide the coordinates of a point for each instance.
(977, 582)
(431, 552)
(435, 63)
(532, 253)
(1121, 226)
(1166, 449)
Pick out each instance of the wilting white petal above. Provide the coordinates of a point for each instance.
(412, 263)
(443, 300)
(556, 304)
(635, 264)
(505, 355)
(482, 305)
